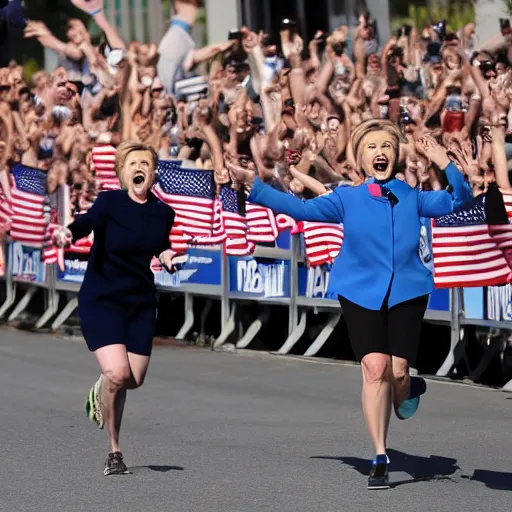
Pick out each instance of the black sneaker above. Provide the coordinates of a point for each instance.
(114, 465)
(379, 474)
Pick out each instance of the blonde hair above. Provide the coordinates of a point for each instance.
(360, 132)
(127, 147)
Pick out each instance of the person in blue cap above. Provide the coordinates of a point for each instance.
(379, 277)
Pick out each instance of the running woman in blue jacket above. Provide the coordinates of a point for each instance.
(379, 278)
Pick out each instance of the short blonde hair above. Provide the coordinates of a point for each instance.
(129, 146)
(372, 125)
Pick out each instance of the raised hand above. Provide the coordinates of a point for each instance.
(167, 260)
(62, 237)
(250, 40)
(241, 175)
(494, 111)
(427, 146)
(36, 29)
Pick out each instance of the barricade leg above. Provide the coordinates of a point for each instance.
(227, 329)
(507, 387)
(456, 334)
(22, 304)
(10, 297)
(324, 335)
(295, 336)
(254, 329)
(189, 317)
(201, 339)
(51, 310)
(65, 313)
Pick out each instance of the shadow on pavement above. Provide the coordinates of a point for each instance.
(159, 469)
(420, 469)
(496, 480)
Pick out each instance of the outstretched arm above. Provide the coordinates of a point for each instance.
(327, 208)
(88, 222)
(95, 8)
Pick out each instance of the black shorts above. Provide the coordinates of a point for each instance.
(109, 323)
(393, 331)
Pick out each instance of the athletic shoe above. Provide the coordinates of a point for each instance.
(97, 402)
(379, 474)
(417, 387)
(114, 465)
(93, 404)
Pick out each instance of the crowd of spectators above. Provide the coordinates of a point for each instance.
(267, 102)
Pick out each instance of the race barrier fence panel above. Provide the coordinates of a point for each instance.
(275, 276)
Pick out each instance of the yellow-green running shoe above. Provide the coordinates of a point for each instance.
(93, 404)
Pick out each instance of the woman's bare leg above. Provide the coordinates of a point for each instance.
(377, 397)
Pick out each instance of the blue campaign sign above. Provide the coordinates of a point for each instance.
(74, 269)
(284, 240)
(313, 282)
(202, 267)
(439, 300)
(26, 263)
(259, 277)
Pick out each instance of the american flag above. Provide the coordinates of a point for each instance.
(261, 223)
(103, 160)
(5, 210)
(52, 254)
(82, 246)
(322, 242)
(467, 251)
(507, 199)
(31, 214)
(235, 225)
(191, 195)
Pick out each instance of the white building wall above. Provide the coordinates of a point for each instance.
(488, 13)
(222, 16)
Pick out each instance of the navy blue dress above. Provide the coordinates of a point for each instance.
(117, 303)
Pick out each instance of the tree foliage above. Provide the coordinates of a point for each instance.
(457, 13)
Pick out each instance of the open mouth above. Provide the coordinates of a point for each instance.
(139, 178)
(380, 163)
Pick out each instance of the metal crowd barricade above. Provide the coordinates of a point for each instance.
(25, 269)
(270, 277)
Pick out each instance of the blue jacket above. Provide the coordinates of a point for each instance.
(380, 252)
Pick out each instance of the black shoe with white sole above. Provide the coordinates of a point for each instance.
(114, 465)
(379, 473)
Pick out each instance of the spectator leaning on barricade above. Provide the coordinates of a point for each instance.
(274, 103)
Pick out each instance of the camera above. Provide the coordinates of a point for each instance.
(404, 30)
(397, 52)
(487, 66)
(290, 25)
(440, 29)
(338, 48)
(234, 35)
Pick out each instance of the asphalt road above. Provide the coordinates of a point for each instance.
(218, 432)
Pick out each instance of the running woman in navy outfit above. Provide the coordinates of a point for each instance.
(117, 303)
(379, 278)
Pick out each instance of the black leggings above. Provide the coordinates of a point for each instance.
(393, 331)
